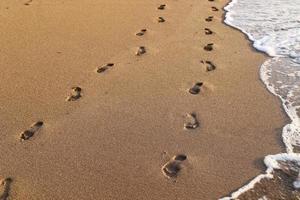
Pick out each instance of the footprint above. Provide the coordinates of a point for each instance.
(208, 31)
(209, 47)
(26, 135)
(173, 167)
(161, 7)
(214, 8)
(209, 19)
(6, 188)
(142, 32)
(27, 4)
(196, 88)
(105, 67)
(75, 95)
(161, 20)
(141, 50)
(210, 66)
(191, 121)
(211, 0)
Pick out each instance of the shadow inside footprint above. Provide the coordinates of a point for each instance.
(26, 135)
(214, 9)
(161, 20)
(208, 31)
(141, 50)
(172, 167)
(196, 88)
(210, 66)
(75, 95)
(191, 121)
(104, 68)
(209, 47)
(142, 32)
(209, 19)
(27, 4)
(161, 7)
(6, 188)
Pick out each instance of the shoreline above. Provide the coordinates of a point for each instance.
(281, 177)
(251, 44)
(129, 122)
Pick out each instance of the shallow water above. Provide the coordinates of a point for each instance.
(274, 28)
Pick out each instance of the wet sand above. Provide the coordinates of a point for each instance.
(277, 188)
(119, 110)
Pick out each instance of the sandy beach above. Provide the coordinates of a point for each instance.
(95, 107)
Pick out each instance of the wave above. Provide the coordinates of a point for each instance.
(274, 28)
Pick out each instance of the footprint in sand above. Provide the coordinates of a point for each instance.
(196, 88)
(5, 184)
(191, 121)
(173, 167)
(27, 4)
(209, 47)
(211, 0)
(26, 135)
(141, 50)
(161, 20)
(214, 9)
(161, 7)
(208, 31)
(142, 32)
(75, 94)
(210, 66)
(104, 67)
(209, 19)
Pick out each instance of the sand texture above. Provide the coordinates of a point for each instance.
(129, 100)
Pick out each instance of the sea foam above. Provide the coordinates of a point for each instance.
(274, 28)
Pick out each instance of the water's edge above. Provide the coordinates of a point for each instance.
(247, 36)
(289, 131)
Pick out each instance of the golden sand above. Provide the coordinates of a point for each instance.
(113, 114)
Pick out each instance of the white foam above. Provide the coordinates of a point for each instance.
(272, 25)
(271, 162)
(274, 28)
(284, 90)
(249, 186)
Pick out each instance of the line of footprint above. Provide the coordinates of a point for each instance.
(171, 168)
(75, 94)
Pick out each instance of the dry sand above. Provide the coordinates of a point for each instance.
(112, 142)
